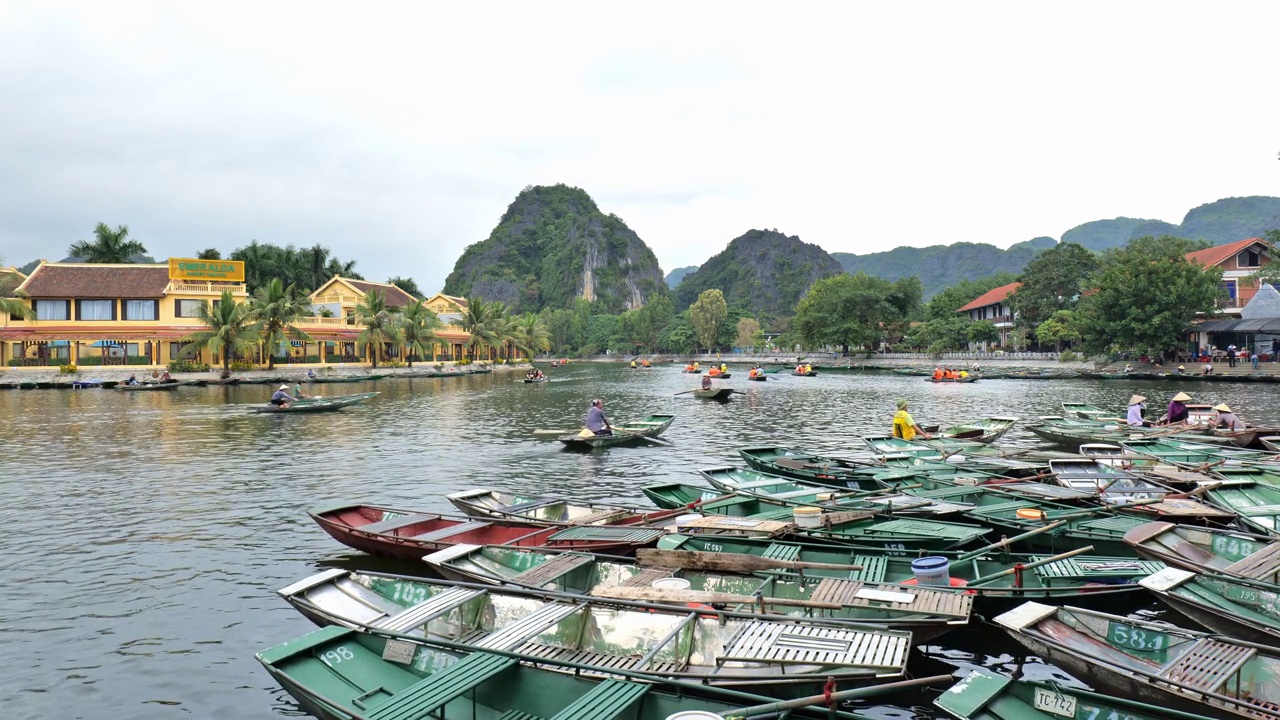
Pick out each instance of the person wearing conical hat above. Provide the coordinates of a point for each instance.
(1226, 418)
(1136, 408)
(904, 426)
(1177, 409)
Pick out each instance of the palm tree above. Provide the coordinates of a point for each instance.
(418, 327)
(12, 307)
(230, 330)
(479, 321)
(530, 335)
(109, 246)
(380, 326)
(275, 310)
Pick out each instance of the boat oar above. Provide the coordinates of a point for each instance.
(782, 707)
(639, 436)
(729, 562)
(1030, 566)
(554, 432)
(1005, 542)
(686, 392)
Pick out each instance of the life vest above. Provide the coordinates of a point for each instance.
(799, 368)
(901, 427)
(937, 374)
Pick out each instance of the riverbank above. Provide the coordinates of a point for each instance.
(281, 373)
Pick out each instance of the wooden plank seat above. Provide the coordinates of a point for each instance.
(606, 701)
(429, 609)
(645, 577)
(605, 533)
(596, 659)
(1261, 565)
(449, 532)
(854, 593)
(1073, 568)
(779, 551)
(531, 625)
(599, 516)
(526, 505)
(552, 569)
(1207, 666)
(874, 568)
(395, 523)
(776, 643)
(431, 693)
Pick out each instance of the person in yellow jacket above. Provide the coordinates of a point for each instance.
(904, 426)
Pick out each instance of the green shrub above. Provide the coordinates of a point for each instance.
(67, 369)
(464, 361)
(393, 363)
(186, 365)
(1068, 356)
(242, 365)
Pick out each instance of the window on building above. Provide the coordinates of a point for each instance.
(95, 309)
(1229, 288)
(53, 309)
(141, 309)
(187, 308)
(1249, 259)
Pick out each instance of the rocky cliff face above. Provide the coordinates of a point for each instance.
(552, 246)
(763, 271)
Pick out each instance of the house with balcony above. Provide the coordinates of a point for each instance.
(339, 296)
(140, 314)
(992, 306)
(1238, 260)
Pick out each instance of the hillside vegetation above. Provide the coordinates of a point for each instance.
(763, 271)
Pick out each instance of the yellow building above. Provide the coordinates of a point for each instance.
(339, 297)
(138, 314)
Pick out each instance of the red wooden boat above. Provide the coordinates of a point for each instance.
(409, 534)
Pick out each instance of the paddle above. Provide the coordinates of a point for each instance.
(554, 432)
(640, 436)
(1028, 566)
(1005, 542)
(686, 392)
(728, 562)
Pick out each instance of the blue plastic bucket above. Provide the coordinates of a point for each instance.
(932, 570)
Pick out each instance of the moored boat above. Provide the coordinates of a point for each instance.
(1152, 662)
(702, 645)
(984, 695)
(1209, 551)
(806, 466)
(1251, 494)
(633, 433)
(144, 387)
(984, 431)
(316, 404)
(1085, 411)
(1121, 488)
(408, 534)
(499, 505)
(1233, 606)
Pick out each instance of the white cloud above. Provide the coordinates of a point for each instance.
(398, 134)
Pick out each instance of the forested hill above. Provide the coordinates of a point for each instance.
(941, 266)
(552, 246)
(1220, 222)
(763, 271)
(677, 276)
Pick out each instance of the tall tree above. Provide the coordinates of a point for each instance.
(228, 330)
(748, 333)
(108, 246)
(1052, 281)
(209, 254)
(1058, 328)
(379, 321)
(851, 310)
(406, 284)
(418, 326)
(531, 336)
(705, 315)
(276, 310)
(1147, 294)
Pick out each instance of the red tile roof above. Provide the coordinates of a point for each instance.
(394, 296)
(87, 280)
(9, 281)
(991, 297)
(1217, 255)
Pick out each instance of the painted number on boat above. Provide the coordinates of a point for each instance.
(895, 549)
(1136, 638)
(342, 653)
(1233, 548)
(1093, 712)
(1056, 703)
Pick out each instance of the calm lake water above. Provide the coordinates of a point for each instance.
(146, 533)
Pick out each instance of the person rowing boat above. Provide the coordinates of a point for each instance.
(281, 397)
(596, 421)
(904, 426)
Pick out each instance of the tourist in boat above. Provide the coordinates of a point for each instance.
(297, 390)
(596, 421)
(723, 368)
(281, 397)
(133, 379)
(165, 377)
(706, 381)
(1177, 409)
(904, 426)
(808, 369)
(1127, 368)
(646, 363)
(1227, 419)
(1136, 408)
(311, 374)
(963, 374)
(1182, 370)
(713, 372)
(633, 364)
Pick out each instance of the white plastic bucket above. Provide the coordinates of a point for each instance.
(695, 715)
(682, 520)
(932, 570)
(807, 517)
(671, 583)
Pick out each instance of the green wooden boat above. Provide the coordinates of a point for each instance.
(926, 612)
(1232, 606)
(1251, 495)
(1191, 454)
(337, 673)
(316, 404)
(1132, 493)
(796, 493)
(1210, 551)
(805, 466)
(634, 433)
(984, 431)
(147, 387)
(500, 505)
(984, 695)
(1157, 663)
(1085, 411)
(656, 640)
(721, 393)
(989, 576)
(344, 379)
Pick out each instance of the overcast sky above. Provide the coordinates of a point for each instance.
(398, 134)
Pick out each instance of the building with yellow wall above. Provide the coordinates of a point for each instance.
(139, 314)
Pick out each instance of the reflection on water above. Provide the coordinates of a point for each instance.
(147, 532)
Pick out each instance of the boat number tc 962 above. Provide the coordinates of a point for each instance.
(337, 655)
